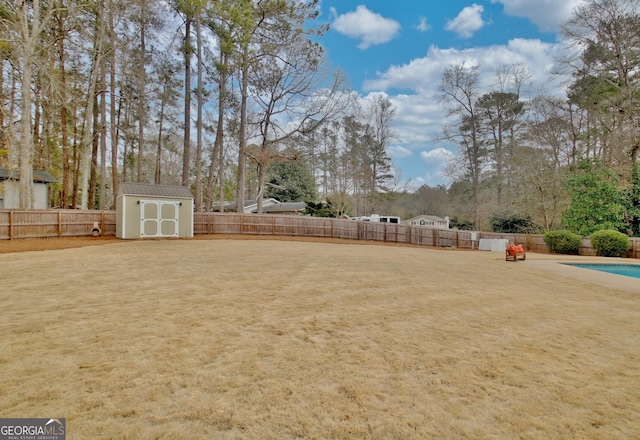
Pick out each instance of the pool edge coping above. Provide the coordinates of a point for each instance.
(563, 267)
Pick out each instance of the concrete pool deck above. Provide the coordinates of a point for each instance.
(556, 265)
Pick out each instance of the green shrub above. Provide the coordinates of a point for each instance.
(610, 243)
(513, 224)
(563, 242)
(463, 225)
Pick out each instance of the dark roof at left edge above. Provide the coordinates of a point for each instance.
(39, 176)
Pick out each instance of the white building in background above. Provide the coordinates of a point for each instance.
(378, 218)
(10, 189)
(430, 221)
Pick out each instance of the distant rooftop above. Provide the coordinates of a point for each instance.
(285, 207)
(39, 176)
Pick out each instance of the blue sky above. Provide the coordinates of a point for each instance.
(400, 48)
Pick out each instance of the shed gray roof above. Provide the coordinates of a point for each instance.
(39, 176)
(152, 190)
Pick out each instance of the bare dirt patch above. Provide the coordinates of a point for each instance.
(47, 244)
(264, 339)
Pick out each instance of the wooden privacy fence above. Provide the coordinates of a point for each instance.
(15, 224)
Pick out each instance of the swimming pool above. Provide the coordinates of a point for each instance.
(628, 270)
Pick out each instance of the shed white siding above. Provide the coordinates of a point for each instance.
(154, 211)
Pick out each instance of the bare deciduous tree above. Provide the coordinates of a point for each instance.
(459, 93)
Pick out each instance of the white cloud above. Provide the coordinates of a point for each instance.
(435, 162)
(369, 27)
(432, 164)
(468, 21)
(418, 119)
(420, 115)
(435, 157)
(398, 151)
(548, 15)
(422, 75)
(423, 25)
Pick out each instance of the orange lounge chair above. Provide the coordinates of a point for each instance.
(515, 252)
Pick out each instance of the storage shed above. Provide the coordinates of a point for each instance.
(153, 211)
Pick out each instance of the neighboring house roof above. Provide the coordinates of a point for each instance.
(433, 218)
(147, 189)
(39, 176)
(269, 206)
(251, 206)
(285, 207)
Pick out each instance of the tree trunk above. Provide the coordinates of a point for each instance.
(142, 79)
(14, 148)
(216, 154)
(158, 173)
(64, 195)
(103, 135)
(198, 164)
(186, 157)
(29, 37)
(242, 145)
(93, 176)
(76, 165)
(91, 93)
(112, 110)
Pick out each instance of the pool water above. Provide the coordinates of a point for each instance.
(628, 270)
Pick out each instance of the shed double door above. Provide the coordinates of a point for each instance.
(159, 218)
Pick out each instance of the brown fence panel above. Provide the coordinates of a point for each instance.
(313, 227)
(370, 231)
(256, 225)
(467, 240)
(227, 223)
(586, 248)
(345, 229)
(80, 223)
(422, 236)
(5, 224)
(35, 224)
(634, 252)
(447, 238)
(202, 223)
(284, 226)
(535, 243)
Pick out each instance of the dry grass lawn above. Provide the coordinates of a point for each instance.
(261, 339)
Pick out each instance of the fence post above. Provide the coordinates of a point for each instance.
(11, 225)
(59, 223)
